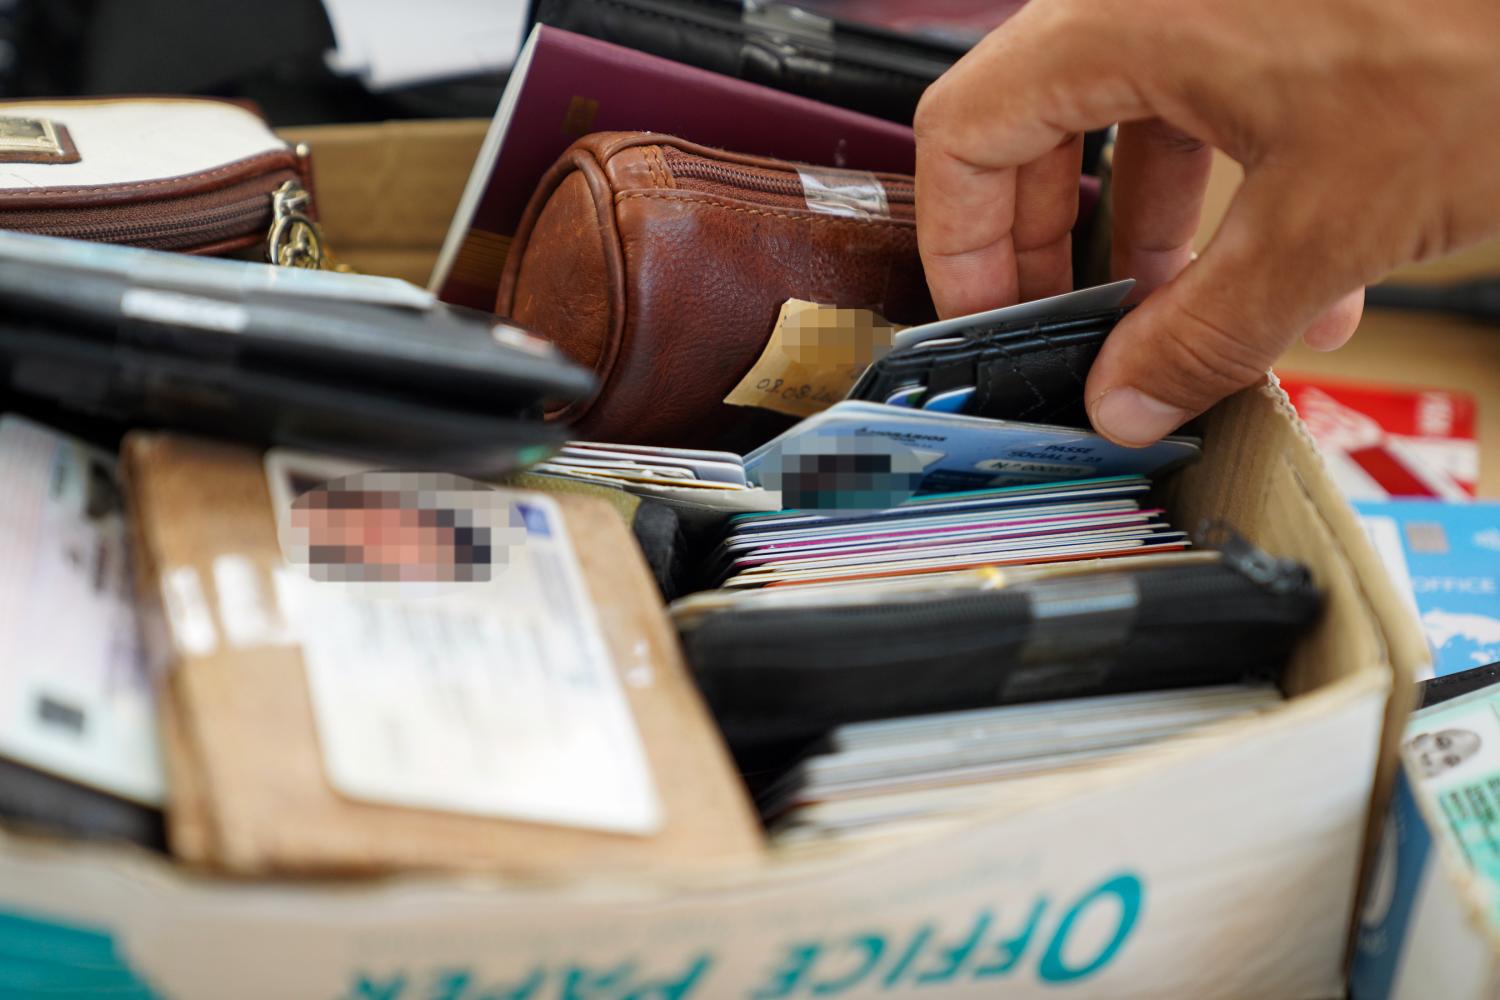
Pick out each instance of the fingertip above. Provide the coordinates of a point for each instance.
(1334, 328)
(1135, 419)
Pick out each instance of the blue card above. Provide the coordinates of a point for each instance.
(956, 452)
(1446, 557)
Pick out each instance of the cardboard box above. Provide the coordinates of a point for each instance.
(1222, 866)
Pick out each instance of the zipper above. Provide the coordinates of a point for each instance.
(1275, 575)
(184, 223)
(275, 204)
(781, 188)
(200, 227)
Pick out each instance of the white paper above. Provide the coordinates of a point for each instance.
(498, 700)
(396, 43)
(75, 697)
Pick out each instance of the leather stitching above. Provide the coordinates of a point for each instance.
(182, 180)
(660, 171)
(651, 166)
(898, 225)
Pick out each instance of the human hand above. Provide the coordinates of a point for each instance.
(1367, 130)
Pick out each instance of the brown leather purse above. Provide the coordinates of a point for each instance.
(662, 265)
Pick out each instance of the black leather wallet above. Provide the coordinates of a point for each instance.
(144, 338)
(1032, 371)
(795, 671)
(778, 45)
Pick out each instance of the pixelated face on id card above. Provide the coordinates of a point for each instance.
(402, 527)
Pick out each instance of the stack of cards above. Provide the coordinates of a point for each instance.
(649, 466)
(876, 773)
(687, 477)
(946, 533)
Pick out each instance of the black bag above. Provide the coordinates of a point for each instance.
(863, 68)
(788, 672)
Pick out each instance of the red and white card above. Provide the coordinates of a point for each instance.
(1385, 441)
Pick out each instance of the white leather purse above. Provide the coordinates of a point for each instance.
(190, 174)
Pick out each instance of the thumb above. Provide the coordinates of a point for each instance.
(1270, 271)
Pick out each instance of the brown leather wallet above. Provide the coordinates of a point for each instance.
(663, 265)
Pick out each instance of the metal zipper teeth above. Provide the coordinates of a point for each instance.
(767, 181)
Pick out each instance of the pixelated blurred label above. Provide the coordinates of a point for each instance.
(75, 698)
(1389, 441)
(499, 699)
(1453, 749)
(814, 356)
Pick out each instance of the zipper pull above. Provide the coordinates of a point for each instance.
(295, 239)
(1279, 576)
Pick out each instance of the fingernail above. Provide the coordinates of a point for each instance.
(1130, 417)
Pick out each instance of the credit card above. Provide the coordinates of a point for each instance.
(918, 521)
(1084, 300)
(640, 476)
(877, 555)
(638, 469)
(1166, 542)
(974, 537)
(957, 452)
(1108, 487)
(726, 468)
(965, 529)
(949, 401)
(907, 395)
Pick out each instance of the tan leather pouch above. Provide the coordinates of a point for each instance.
(662, 265)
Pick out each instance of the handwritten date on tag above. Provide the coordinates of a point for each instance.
(815, 355)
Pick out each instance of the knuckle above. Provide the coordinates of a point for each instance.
(931, 108)
(1202, 360)
(1171, 138)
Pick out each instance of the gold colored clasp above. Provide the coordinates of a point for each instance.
(294, 240)
(29, 137)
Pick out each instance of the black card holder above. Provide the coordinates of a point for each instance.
(776, 674)
(1033, 372)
